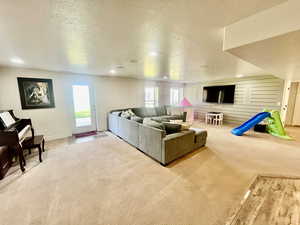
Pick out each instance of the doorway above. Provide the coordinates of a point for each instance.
(293, 106)
(84, 109)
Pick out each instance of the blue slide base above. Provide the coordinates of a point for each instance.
(236, 132)
(239, 131)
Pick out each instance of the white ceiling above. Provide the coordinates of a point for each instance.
(95, 36)
(269, 39)
(280, 55)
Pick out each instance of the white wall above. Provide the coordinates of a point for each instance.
(252, 95)
(110, 93)
(296, 117)
(164, 93)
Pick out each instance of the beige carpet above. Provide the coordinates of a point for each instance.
(270, 200)
(107, 181)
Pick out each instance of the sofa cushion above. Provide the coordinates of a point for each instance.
(149, 122)
(172, 128)
(144, 112)
(137, 119)
(175, 117)
(141, 112)
(151, 112)
(160, 119)
(168, 118)
(161, 111)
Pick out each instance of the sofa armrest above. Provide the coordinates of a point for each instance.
(177, 145)
(113, 123)
(178, 135)
(150, 141)
(129, 131)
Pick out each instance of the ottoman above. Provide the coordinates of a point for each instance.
(200, 137)
(5, 160)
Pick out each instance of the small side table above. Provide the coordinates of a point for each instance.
(36, 142)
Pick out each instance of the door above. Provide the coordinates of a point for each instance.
(84, 109)
(291, 103)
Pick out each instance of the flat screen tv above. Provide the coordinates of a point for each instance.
(219, 94)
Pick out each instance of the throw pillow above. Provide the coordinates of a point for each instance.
(130, 112)
(125, 114)
(172, 128)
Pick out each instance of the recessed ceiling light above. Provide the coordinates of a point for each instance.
(165, 77)
(133, 61)
(153, 53)
(17, 60)
(203, 66)
(240, 75)
(112, 71)
(120, 67)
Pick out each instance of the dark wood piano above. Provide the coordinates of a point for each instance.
(13, 135)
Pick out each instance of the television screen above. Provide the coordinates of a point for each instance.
(219, 94)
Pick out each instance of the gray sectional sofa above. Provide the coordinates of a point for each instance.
(153, 141)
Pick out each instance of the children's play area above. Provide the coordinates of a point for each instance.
(274, 124)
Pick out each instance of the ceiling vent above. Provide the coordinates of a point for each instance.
(120, 67)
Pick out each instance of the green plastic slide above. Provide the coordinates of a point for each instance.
(275, 126)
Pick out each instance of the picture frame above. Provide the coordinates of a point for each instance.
(36, 93)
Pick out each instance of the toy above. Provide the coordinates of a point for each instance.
(274, 127)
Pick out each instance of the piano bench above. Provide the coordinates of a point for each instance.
(5, 161)
(35, 142)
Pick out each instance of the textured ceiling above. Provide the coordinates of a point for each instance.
(96, 36)
(280, 55)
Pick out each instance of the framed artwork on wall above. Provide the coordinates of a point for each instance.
(36, 93)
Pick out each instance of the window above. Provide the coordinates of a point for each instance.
(176, 95)
(151, 96)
